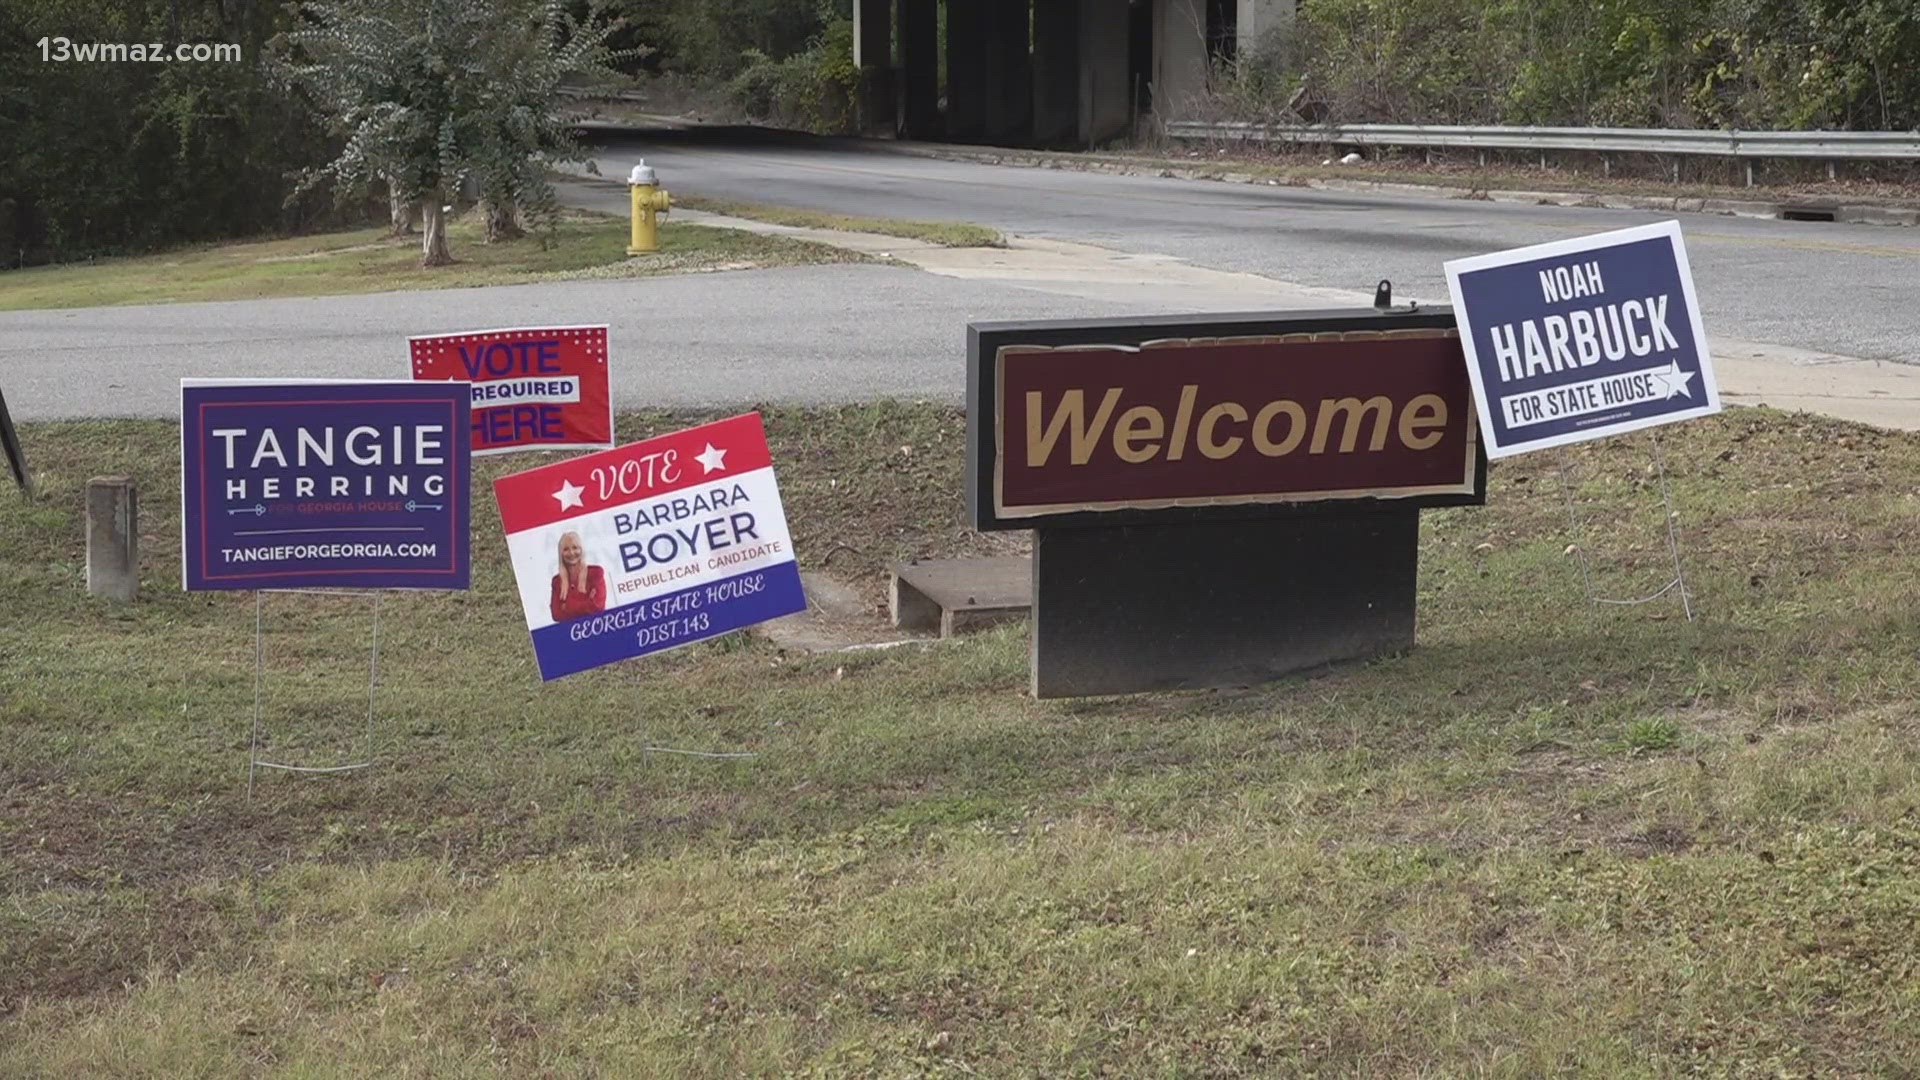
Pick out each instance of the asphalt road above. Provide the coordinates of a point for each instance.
(841, 333)
(1847, 289)
(803, 334)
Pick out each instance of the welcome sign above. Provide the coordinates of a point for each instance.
(1218, 499)
(336, 484)
(1186, 423)
(650, 546)
(534, 388)
(1584, 338)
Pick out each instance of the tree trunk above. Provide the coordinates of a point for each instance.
(433, 232)
(399, 212)
(503, 220)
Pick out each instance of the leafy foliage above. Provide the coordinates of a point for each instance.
(1756, 64)
(431, 94)
(814, 89)
(105, 158)
(718, 39)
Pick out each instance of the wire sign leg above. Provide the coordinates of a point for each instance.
(1673, 536)
(254, 761)
(1577, 525)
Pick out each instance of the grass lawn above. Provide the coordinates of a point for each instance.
(943, 233)
(1552, 838)
(583, 245)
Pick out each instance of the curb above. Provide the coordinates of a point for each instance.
(1799, 208)
(1786, 209)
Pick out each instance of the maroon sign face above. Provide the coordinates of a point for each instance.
(1224, 421)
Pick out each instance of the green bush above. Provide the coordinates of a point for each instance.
(111, 157)
(1754, 64)
(719, 39)
(815, 89)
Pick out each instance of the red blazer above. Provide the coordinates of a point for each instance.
(579, 602)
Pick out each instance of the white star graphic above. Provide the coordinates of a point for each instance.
(569, 494)
(1676, 380)
(712, 460)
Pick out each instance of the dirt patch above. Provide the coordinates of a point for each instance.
(330, 252)
(838, 617)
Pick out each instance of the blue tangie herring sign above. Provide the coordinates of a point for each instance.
(1580, 339)
(324, 484)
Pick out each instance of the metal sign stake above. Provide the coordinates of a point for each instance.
(1577, 525)
(1673, 539)
(695, 753)
(254, 760)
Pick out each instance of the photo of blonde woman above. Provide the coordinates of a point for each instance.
(578, 589)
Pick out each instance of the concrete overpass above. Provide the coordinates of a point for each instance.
(1044, 72)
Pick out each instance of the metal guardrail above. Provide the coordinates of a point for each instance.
(1892, 145)
(580, 93)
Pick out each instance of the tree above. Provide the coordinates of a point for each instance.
(430, 94)
(520, 134)
(111, 158)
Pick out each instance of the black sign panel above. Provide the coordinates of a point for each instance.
(16, 458)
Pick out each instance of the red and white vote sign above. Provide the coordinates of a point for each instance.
(534, 388)
(649, 546)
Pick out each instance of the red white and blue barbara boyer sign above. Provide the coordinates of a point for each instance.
(1579, 339)
(534, 388)
(649, 546)
(323, 484)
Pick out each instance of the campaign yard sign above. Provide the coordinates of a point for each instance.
(534, 388)
(1579, 339)
(288, 485)
(649, 546)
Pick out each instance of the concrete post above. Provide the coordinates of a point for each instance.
(919, 69)
(1181, 60)
(113, 538)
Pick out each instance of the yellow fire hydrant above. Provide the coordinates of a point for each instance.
(650, 202)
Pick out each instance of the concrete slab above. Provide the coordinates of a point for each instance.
(1069, 269)
(953, 596)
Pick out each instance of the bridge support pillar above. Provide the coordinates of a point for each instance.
(1009, 73)
(1056, 72)
(1105, 92)
(919, 22)
(967, 22)
(873, 55)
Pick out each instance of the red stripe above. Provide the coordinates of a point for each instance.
(632, 473)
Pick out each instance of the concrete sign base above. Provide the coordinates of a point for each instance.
(953, 596)
(1125, 609)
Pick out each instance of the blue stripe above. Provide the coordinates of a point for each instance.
(669, 621)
